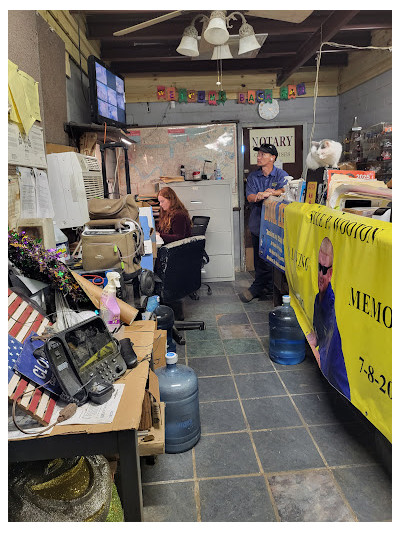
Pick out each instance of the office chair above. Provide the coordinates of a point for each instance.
(178, 269)
(199, 227)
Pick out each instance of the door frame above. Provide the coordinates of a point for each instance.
(240, 167)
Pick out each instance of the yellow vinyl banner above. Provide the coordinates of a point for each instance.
(339, 270)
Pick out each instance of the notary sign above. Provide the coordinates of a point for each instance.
(282, 138)
(338, 267)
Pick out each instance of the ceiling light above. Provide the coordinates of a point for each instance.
(248, 41)
(216, 32)
(222, 52)
(188, 45)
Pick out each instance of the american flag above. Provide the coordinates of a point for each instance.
(22, 321)
(23, 318)
(14, 349)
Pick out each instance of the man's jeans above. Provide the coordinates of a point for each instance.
(263, 270)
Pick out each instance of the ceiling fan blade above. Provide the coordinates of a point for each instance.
(147, 23)
(285, 15)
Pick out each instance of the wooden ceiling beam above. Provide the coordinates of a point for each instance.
(103, 26)
(329, 28)
(265, 64)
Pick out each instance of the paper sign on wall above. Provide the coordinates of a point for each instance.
(282, 138)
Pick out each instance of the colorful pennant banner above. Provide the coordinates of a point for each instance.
(287, 92)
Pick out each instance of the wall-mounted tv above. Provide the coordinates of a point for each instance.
(107, 94)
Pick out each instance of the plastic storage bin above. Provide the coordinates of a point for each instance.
(286, 339)
(179, 390)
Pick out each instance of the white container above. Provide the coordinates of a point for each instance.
(62, 245)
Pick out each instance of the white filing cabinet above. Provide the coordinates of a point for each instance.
(212, 199)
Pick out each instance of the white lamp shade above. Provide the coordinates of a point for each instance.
(248, 43)
(222, 52)
(216, 32)
(188, 46)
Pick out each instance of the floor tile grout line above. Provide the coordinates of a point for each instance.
(248, 431)
(257, 474)
(196, 486)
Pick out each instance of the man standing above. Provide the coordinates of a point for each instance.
(266, 181)
(326, 336)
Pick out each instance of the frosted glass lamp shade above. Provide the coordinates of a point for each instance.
(222, 52)
(188, 46)
(248, 43)
(216, 32)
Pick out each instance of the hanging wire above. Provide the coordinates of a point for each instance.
(316, 83)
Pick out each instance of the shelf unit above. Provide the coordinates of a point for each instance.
(371, 149)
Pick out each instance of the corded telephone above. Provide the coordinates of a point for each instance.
(85, 360)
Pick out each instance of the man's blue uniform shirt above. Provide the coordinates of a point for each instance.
(329, 342)
(257, 182)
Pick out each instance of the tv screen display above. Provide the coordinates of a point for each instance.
(107, 94)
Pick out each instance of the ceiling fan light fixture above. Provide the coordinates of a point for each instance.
(248, 41)
(222, 52)
(216, 32)
(188, 45)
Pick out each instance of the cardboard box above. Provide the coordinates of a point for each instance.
(159, 348)
(154, 442)
(249, 259)
(152, 394)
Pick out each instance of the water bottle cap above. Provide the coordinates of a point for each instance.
(286, 299)
(171, 358)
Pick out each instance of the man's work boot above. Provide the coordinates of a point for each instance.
(246, 296)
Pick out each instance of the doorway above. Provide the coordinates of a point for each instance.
(289, 143)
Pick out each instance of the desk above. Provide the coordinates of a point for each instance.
(119, 437)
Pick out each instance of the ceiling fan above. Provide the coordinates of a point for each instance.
(283, 15)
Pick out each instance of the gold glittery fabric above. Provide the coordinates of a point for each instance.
(68, 486)
(116, 513)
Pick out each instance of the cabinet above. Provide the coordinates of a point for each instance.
(212, 199)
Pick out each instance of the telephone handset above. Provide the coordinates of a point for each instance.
(85, 360)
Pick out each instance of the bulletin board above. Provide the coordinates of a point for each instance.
(160, 151)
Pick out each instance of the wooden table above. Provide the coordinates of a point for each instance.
(120, 437)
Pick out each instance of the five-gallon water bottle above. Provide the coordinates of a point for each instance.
(179, 390)
(286, 339)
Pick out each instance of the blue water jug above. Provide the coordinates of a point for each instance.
(180, 392)
(286, 339)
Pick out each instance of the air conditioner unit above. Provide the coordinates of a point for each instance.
(73, 179)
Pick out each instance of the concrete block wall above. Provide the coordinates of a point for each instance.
(370, 102)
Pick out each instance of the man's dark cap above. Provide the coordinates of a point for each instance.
(268, 149)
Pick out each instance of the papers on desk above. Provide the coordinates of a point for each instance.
(91, 413)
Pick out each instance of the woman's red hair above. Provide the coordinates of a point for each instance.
(164, 223)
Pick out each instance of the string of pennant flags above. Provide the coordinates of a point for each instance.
(286, 92)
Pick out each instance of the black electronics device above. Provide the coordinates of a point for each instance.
(128, 353)
(85, 360)
(106, 94)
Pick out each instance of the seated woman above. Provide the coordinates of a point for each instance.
(174, 223)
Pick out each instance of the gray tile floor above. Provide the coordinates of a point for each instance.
(277, 444)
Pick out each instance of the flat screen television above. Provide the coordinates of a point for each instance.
(106, 93)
